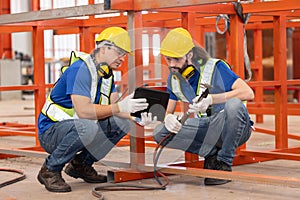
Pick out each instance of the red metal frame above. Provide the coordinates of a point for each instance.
(197, 17)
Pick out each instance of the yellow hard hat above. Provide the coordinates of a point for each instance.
(177, 43)
(117, 35)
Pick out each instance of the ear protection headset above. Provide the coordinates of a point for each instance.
(188, 71)
(102, 68)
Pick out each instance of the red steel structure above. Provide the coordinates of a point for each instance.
(198, 17)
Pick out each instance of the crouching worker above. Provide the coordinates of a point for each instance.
(81, 120)
(221, 121)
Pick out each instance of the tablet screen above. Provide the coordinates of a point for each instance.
(157, 99)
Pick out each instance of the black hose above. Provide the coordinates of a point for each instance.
(20, 178)
(96, 191)
(156, 155)
(120, 187)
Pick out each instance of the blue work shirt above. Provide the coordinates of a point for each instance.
(75, 80)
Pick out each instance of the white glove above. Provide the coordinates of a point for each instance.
(172, 124)
(146, 119)
(130, 105)
(200, 106)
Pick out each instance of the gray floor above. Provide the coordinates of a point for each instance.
(180, 186)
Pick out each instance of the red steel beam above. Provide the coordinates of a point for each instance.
(272, 132)
(39, 72)
(237, 45)
(5, 38)
(280, 74)
(271, 6)
(268, 154)
(135, 77)
(204, 9)
(139, 5)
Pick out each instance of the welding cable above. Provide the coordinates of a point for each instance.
(158, 150)
(129, 187)
(120, 187)
(168, 138)
(156, 156)
(20, 178)
(96, 191)
(123, 187)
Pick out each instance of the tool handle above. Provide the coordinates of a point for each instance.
(187, 114)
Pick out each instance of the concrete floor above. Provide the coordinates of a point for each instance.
(180, 186)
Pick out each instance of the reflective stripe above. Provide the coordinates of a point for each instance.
(106, 86)
(206, 78)
(58, 113)
(176, 89)
(206, 75)
(92, 68)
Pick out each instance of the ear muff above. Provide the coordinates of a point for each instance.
(104, 70)
(188, 71)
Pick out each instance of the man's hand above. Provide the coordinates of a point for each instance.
(172, 124)
(130, 105)
(200, 106)
(146, 119)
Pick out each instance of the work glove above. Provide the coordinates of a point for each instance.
(172, 124)
(200, 106)
(146, 119)
(130, 105)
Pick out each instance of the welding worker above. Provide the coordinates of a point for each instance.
(220, 122)
(81, 121)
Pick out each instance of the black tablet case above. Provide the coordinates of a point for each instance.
(157, 99)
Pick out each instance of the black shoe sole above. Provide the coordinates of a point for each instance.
(40, 179)
(213, 181)
(73, 174)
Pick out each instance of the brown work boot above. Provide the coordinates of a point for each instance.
(76, 169)
(53, 181)
(211, 162)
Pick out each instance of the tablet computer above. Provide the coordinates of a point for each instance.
(157, 99)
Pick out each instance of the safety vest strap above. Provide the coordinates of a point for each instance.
(105, 88)
(206, 74)
(106, 84)
(206, 78)
(176, 88)
(56, 112)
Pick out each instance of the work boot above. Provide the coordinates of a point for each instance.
(53, 181)
(211, 162)
(77, 169)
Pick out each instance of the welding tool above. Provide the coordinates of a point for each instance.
(187, 114)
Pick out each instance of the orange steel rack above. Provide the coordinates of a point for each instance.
(198, 17)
